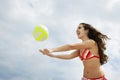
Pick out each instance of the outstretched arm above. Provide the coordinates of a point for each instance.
(61, 56)
(76, 46)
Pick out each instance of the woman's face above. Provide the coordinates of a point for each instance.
(81, 31)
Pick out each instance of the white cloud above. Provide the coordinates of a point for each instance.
(111, 4)
(19, 56)
(110, 72)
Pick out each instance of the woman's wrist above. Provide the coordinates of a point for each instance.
(52, 50)
(52, 55)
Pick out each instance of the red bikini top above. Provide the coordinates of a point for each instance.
(87, 55)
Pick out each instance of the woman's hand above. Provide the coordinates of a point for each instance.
(47, 52)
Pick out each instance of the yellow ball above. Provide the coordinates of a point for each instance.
(40, 32)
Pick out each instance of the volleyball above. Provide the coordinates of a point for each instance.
(40, 32)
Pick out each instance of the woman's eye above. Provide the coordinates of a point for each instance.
(79, 27)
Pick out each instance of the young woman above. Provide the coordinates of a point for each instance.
(90, 51)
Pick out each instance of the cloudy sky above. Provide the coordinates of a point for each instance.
(19, 56)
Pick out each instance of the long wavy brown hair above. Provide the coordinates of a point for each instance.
(99, 38)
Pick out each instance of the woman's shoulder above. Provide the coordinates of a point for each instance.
(90, 41)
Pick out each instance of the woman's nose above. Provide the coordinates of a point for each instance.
(77, 30)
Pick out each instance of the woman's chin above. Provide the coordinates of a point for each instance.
(79, 37)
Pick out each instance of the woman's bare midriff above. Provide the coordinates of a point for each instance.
(92, 68)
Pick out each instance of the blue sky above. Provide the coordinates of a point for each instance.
(19, 56)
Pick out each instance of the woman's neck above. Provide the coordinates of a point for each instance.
(84, 38)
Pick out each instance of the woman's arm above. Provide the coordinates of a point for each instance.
(67, 56)
(77, 47)
(61, 56)
(85, 44)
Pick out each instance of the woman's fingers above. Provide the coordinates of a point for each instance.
(42, 51)
(46, 52)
